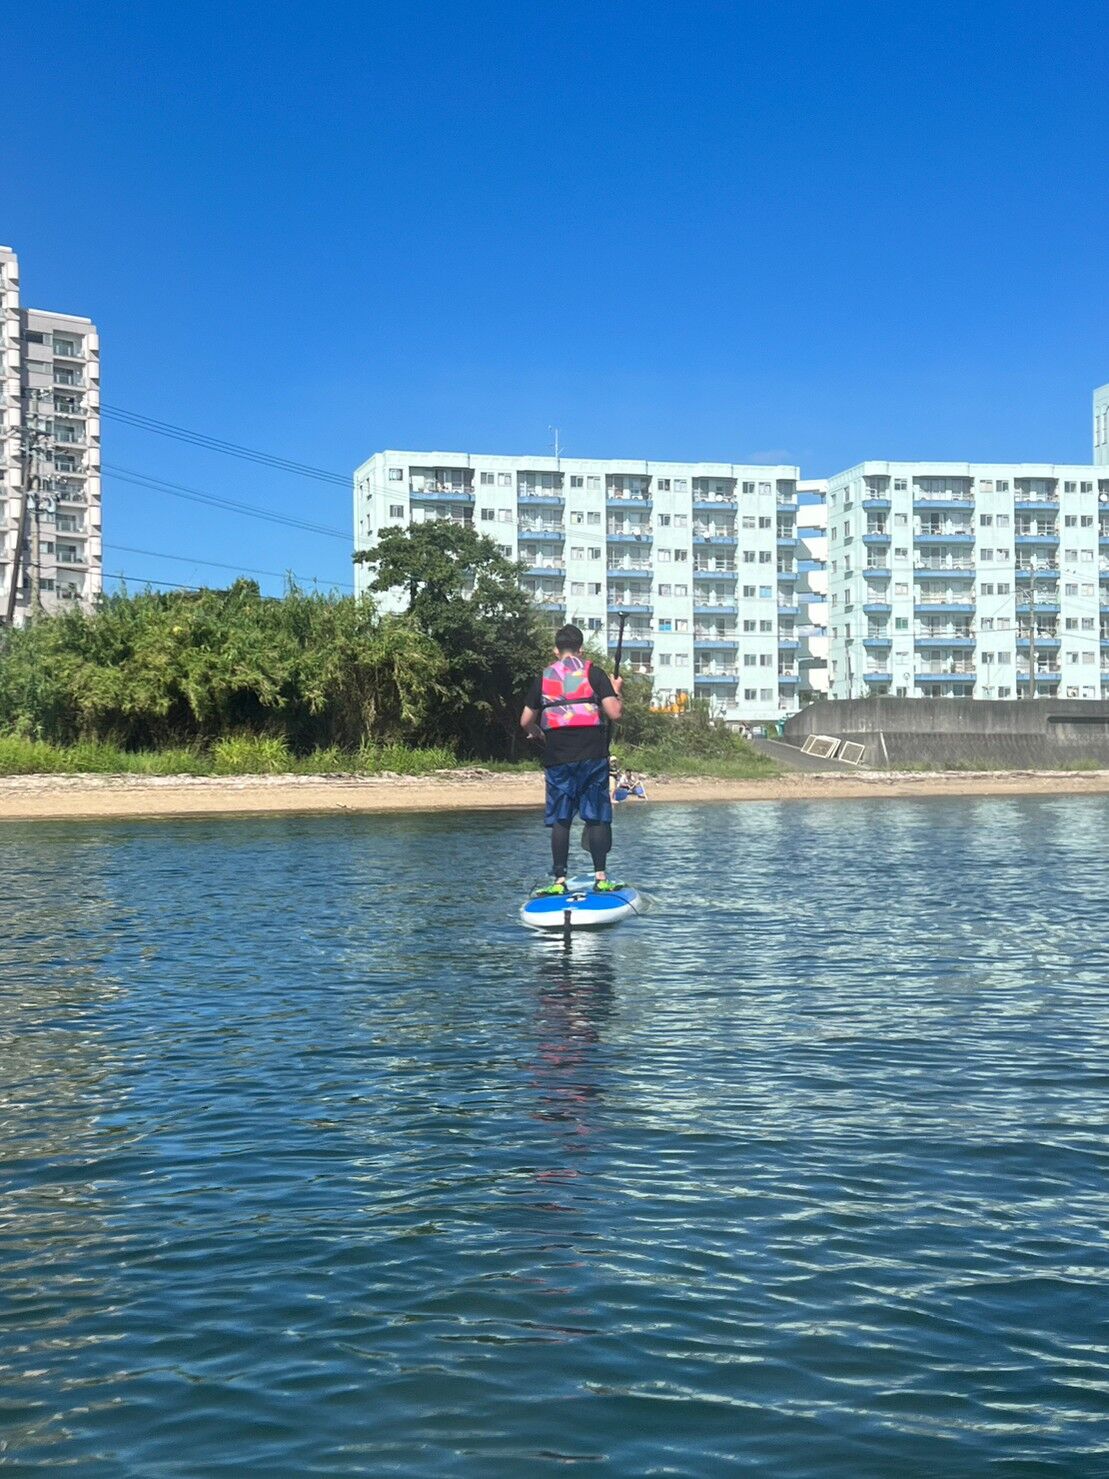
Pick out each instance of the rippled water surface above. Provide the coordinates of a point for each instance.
(313, 1161)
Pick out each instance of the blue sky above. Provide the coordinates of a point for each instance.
(812, 232)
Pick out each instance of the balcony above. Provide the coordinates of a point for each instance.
(629, 572)
(875, 643)
(718, 642)
(876, 572)
(1044, 643)
(541, 534)
(877, 675)
(549, 600)
(877, 608)
(786, 575)
(944, 607)
(791, 608)
(439, 493)
(787, 543)
(876, 538)
(628, 536)
(1044, 676)
(716, 675)
(540, 498)
(1044, 606)
(960, 571)
(633, 642)
(619, 502)
(550, 569)
(1035, 541)
(630, 603)
(1025, 502)
(721, 572)
(714, 538)
(704, 607)
(876, 503)
(932, 538)
(711, 503)
(788, 676)
(924, 502)
(932, 642)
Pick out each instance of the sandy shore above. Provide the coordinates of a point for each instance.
(51, 797)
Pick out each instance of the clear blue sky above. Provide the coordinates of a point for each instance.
(812, 232)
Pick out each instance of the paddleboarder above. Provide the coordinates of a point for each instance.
(572, 703)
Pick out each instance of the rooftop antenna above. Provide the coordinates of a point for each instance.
(556, 443)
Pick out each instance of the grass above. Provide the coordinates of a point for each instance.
(266, 755)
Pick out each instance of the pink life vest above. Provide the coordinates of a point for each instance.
(567, 697)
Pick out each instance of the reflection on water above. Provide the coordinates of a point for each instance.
(314, 1161)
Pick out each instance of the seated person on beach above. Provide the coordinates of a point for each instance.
(626, 783)
(572, 702)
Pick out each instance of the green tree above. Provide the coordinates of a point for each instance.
(464, 595)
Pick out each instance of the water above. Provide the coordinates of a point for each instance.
(313, 1162)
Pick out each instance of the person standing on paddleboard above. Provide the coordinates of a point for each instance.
(572, 703)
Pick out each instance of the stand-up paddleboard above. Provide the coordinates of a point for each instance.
(581, 907)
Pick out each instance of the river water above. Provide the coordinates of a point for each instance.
(313, 1161)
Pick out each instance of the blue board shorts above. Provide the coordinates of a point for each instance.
(580, 786)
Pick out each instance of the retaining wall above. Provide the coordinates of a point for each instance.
(1042, 733)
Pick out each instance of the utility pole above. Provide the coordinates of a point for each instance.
(1032, 634)
(31, 436)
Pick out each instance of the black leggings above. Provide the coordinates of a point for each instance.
(598, 839)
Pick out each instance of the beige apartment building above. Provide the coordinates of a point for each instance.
(50, 519)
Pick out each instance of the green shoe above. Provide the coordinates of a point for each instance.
(606, 886)
(551, 888)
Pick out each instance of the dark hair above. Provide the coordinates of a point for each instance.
(569, 638)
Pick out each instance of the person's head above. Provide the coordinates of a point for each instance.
(569, 640)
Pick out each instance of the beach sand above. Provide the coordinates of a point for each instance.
(81, 797)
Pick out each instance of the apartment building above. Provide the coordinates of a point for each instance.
(812, 589)
(701, 559)
(1101, 426)
(50, 523)
(968, 580)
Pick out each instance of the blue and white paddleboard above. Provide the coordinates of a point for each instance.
(587, 909)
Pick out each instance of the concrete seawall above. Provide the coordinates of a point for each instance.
(1043, 733)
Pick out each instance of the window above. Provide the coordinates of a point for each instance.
(1071, 588)
(1070, 521)
(1071, 624)
(1087, 487)
(748, 659)
(1070, 488)
(592, 518)
(1003, 588)
(985, 485)
(504, 480)
(396, 510)
(765, 557)
(594, 552)
(1002, 487)
(748, 592)
(1087, 623)
(396, 474)
(751, 694)
(766, 694)
(594, 588)
(666, 626)
(1003, 521)
(594, 623)
(664, 520)
(663, 557)
(899, 485)
(766, 626)
(901, 623)
(664, 659)
(1004, 658)
(749, 626)
(577, 518)
(985, 658)
(577, 551)
(1004, 693)
(748, 556)
(1072, 555)
(504, 515)
(680, 485)
(764, 487)
(681, 660)
(765, 592)
(986, 556)
(664, 485)
(487, 480)
(681, 521)
(901, 520)
(764, 521)
(487, 514)
(749, 488)
(681, 590)
(985, 520)
(664, 590)
(1087, 590)
(985, 589)
(749, 521)
(577, 587)
(680, 555)
(575, 480)
(1087, 521)
(987, 623)
(592, 481)
(681, 625)
(902, 551)
(766, 659)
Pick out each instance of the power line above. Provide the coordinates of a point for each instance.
(149, 580)
(158, 554)
(251, 510)
(218, 444)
